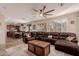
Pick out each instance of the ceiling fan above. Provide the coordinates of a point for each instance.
(42, 11)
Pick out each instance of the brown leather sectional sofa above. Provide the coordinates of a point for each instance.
(59, 40)
(55, 36)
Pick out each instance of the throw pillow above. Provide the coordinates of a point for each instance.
(49, 36)
(78, 43)
(28, 35)
(69, 38)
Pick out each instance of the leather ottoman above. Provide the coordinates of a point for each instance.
(68, 47)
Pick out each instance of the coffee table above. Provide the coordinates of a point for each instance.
(39, 48)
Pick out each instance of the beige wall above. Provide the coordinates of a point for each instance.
(73, 28)
(2, 30)
(70, 27)
(77, 26)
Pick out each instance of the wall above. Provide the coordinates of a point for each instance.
(2, 30)
(73, 28)
(77, 26)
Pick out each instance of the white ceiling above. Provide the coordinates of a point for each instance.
(22, 12)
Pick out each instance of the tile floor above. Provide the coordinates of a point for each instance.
(21, 49)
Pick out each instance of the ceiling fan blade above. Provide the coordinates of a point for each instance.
(48, 14)
(35, 10)
(43, 8)
(48, 11)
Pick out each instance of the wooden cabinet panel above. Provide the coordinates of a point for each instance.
(31, 47)
(38, 50)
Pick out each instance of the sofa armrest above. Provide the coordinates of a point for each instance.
(74, 40)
